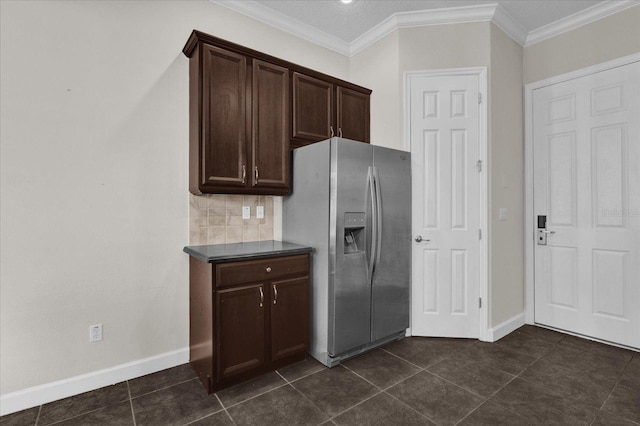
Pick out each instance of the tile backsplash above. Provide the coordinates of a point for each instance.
(217, 219)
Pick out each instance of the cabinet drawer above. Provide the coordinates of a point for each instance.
(247, 271)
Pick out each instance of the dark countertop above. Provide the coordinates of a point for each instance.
(224, 252)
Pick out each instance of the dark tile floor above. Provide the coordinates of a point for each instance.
(533, 376)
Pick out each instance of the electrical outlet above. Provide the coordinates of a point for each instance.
(246, 212)
(260, 212)
(95, 333)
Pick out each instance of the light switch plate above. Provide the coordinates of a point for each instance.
(246, 212)
(502, 213)
(260, 212)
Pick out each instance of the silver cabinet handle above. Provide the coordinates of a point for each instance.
(275, 294)
(331, 128)
(268, 269)
(255, 173)
(261, 297)
(339, 132)
(244, 173)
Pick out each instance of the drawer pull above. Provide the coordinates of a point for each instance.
(275, 294)
(268, 269)
(261, 297)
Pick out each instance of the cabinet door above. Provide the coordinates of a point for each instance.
(353, 114)
(240, 324)
(270, 126)
(223, 147)
(289, 317)
(312, 108)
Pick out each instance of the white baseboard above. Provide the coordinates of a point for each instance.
(42, 394)
(506, 327)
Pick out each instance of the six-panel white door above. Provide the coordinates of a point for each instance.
(444, 137)
(586, 145)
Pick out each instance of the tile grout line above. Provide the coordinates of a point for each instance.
(465, 389)
(305, 376)
(38, 415)
(133, 413)
(517, 376)
(303, 395)
(491, 396)
(85, 412)
(265, 392)
(224, 408)
(410, 407)
(384, 391)
(355, 405)
(536, 384)
(255, 396)
(402, 359)
(163, 388)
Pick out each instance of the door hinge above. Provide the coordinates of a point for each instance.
(479, 98)
(479, 234)
(480, 302)
(479, 165)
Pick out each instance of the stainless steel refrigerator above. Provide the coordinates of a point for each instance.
(351, 201)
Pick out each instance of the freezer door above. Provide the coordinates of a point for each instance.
(391, 279)
(350, 298)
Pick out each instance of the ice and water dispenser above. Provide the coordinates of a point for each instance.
(354, 232)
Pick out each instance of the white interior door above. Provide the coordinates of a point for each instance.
(586, 173)
(444, 136)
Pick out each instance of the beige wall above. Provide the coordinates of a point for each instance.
(377, 68)
(606, 39)
(94, 201)
(506, 179)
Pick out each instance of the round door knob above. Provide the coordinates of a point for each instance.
(418, 238)
(268, 268)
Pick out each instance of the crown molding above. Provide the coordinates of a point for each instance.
(599, 11)
(452, 15)
(510, 26)
(255, 10)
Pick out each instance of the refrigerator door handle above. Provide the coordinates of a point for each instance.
(378, 240)
(374, 225)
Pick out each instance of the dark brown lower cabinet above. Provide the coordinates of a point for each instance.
(240, 328)
(247, 317)
(290, 302)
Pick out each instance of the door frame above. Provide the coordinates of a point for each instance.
(484, 333)
(530, 237)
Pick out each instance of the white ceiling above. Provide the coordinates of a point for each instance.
(348, 28)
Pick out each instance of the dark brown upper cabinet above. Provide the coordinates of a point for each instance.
(323, 109)
(223, 121)
(270, 128)
(313, 107)
(352, 114)
(247, 108)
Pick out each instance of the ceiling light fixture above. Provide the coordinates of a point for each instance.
(346, 1)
